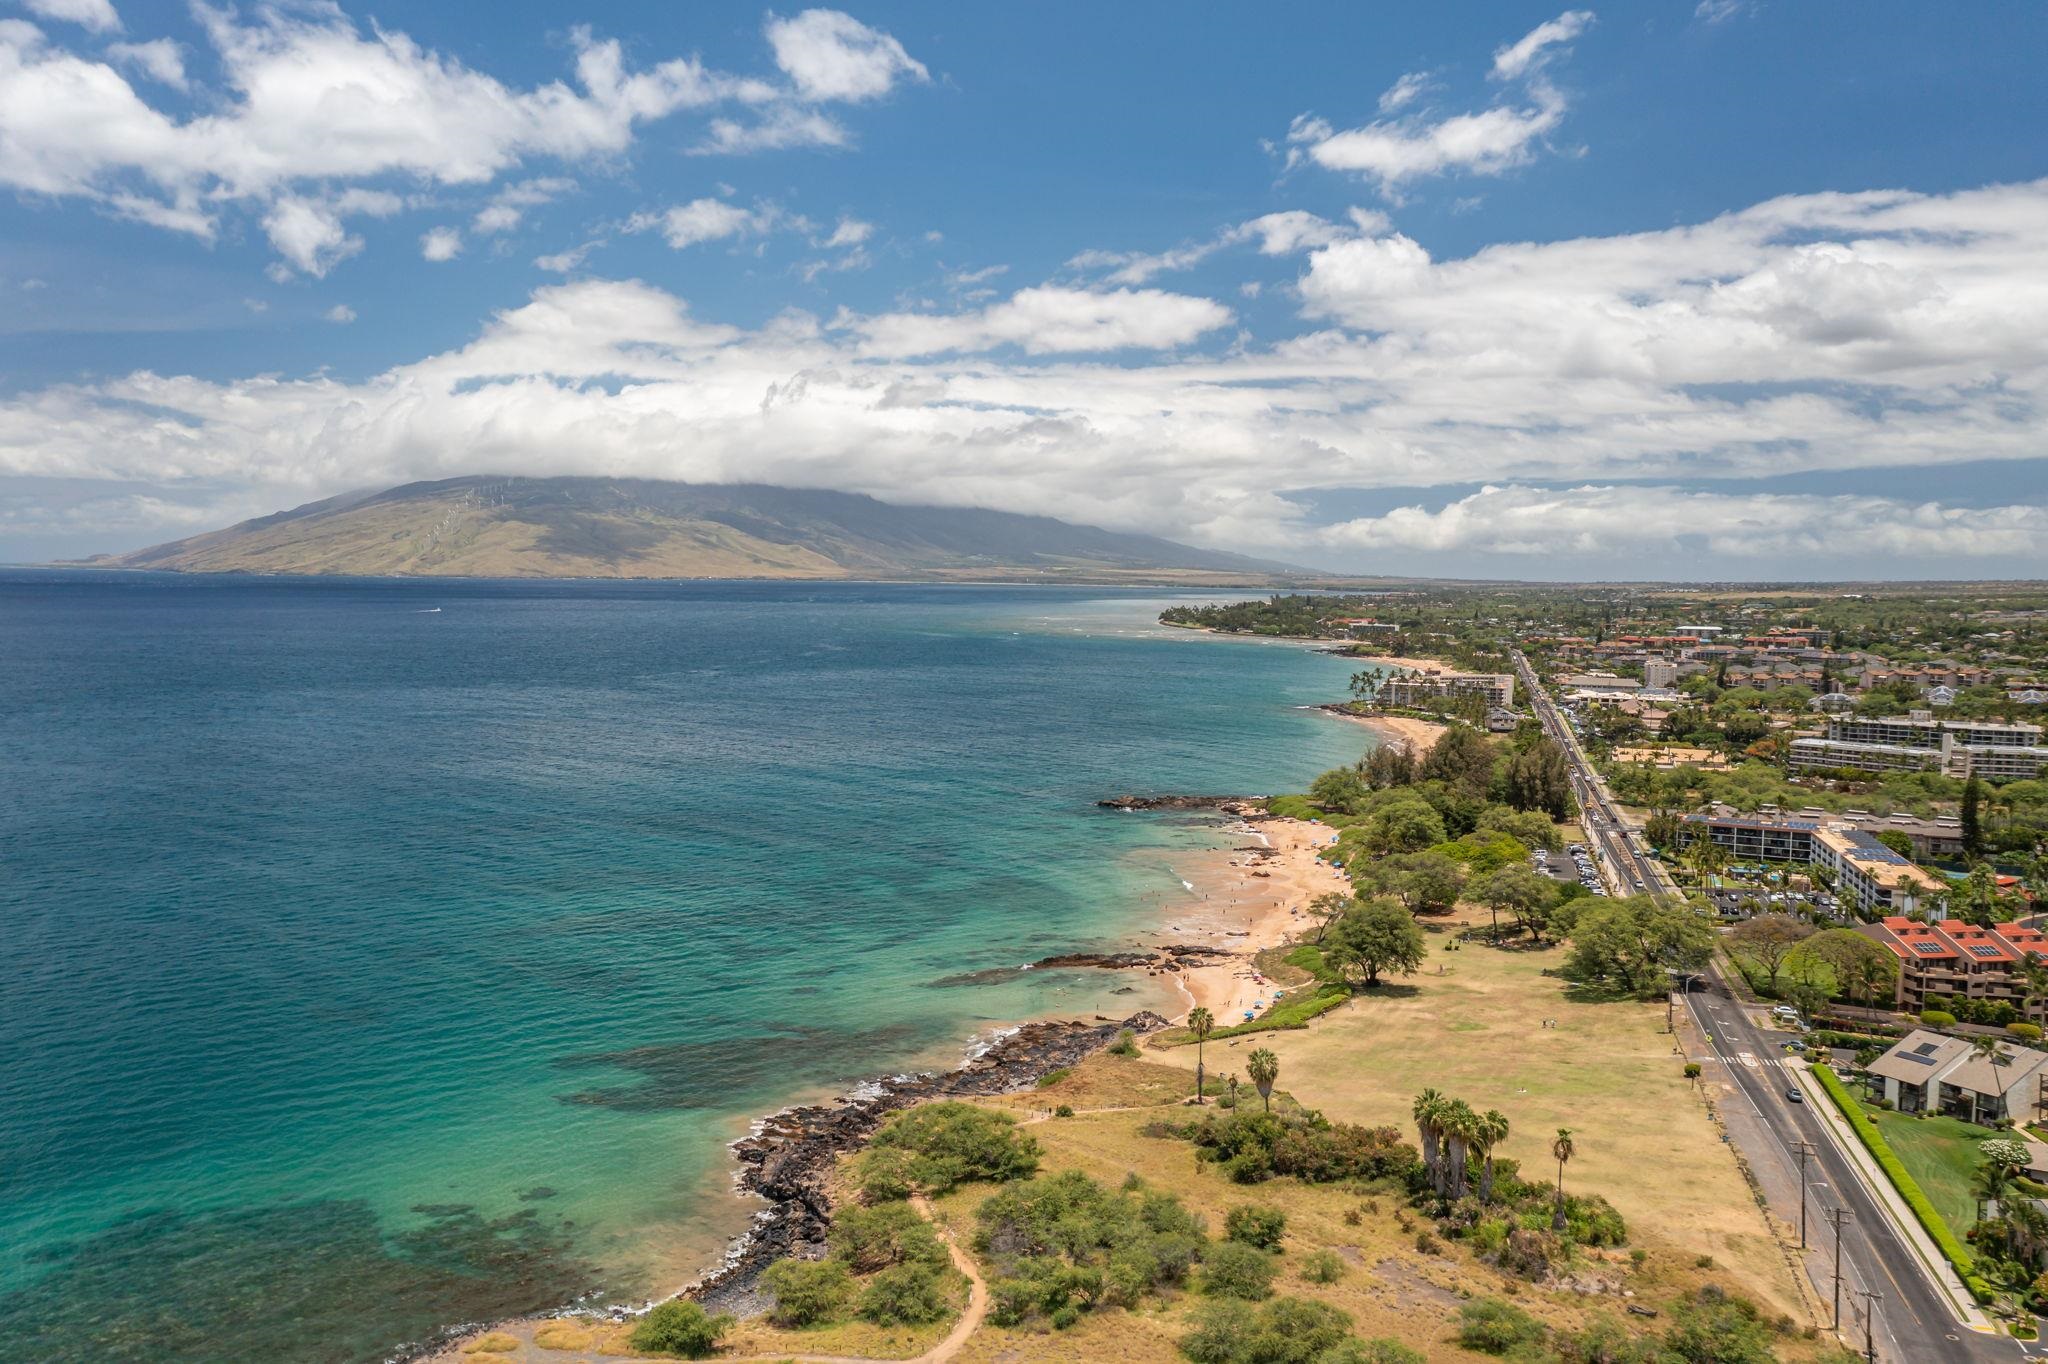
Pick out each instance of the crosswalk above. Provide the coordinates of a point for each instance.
(1750, 1061)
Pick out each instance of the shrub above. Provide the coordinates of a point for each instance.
(807, 1292)
(1378, 1350)
(2024, 1032)
(1256, 1225)
(1065, 1239)
(1053, 1077)
(1692, 1070)
(1284, 1331)
(1936, 1018)
(680, 1327)
(1716, 1329)
(1252, 1147)
(1064, 1111)
(1236, 1270)
(887, 1234)
(938, 1146)
(905, 1295)
(1322, 1266)
(1493, 1327)
(1126, 1043)
(1909, 1188)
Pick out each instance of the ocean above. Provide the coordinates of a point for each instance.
(385, 955)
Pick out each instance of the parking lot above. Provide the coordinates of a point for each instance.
(1575, 863)
(1734, 902)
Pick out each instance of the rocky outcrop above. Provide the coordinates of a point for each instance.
(1237, 805)
(790, 1158)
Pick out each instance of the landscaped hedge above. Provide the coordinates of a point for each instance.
(1908, 1187)
(1827, 1037)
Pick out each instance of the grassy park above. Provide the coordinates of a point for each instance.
(1941, 1154)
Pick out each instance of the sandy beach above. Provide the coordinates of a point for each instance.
(1245, 901)
(1418, 735)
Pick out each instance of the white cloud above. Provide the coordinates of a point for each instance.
(562, 262)
(705, 220)
(1718, 11)
(1404, 92)
(833, 56)
(440, 244)
(341, 313)
(309, 103)
(1277, 234)
(1817, 334)
(1048, 320)
(97, 15)
(309, 233)
(160, 59)
(1533, 48)
(1632, 521)
(1491, 141)
(508, 206)
(849, 232)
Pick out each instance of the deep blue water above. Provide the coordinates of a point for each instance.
(372, 967)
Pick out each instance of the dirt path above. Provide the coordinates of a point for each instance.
(970, 1320)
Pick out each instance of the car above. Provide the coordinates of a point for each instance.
(1795, 1045)
(1794, 1095)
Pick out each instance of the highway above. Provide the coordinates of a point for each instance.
(1915, 1321)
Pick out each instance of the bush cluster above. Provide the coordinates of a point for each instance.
(910, 1272)
(1255, 1225)
(1063, 1245)
(1252, 1147)
(936, 1147)
(680, 1327)
(1710, 1327)
(1284, 1331)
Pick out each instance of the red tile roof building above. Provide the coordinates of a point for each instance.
(1960, 959)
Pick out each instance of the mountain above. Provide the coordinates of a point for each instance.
(496, 527)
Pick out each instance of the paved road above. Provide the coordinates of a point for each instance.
(1914, 1320)
(1915, 1323)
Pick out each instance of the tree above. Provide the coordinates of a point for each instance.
(1264, 1068)
(1896, 841)
(1634, 942)
(1460, 1125)
(1326, 909)
(1340, 789)
(1490, 1131)
(1408, 824)
(1462, 757)
(1389, 765)
(1426, 882)
(1201, 1023)
(1377, 936)
(1518, 890)
(1365, 683)
(1428, 1110)
(1538, 778)
(1767, 939)
(680, 1327)
(1561, 1150)
(1858, 965)
(1973, 824)
(1532, 828)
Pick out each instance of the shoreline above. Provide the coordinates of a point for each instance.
(1414, 734)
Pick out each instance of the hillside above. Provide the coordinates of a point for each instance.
(639, 528)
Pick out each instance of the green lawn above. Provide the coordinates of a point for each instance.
(1941, 1153)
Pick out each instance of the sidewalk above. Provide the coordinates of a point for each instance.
(1908, 1226)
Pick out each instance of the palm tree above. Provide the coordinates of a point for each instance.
(1427, 1110)
(1201, 1023)
(1490, 1131)
(1264, 1068)
(1459, 1124)
(1561, 1150)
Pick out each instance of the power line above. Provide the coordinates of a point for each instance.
(1837, 1217)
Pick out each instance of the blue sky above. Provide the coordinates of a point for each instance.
(1726, 290)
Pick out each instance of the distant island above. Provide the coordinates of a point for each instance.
(488, 526)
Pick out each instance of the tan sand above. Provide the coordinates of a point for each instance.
(1418, 735)
(1248, 901)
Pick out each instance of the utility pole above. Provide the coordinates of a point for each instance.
(1871, 1298)
(1804, 1150)
(1836, 1218)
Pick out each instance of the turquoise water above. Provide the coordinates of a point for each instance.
(385, 955)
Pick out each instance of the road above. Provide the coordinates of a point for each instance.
(1915, 1322)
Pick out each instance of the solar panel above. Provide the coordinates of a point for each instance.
(1929, 949)
(1983, 949)
(1927, 1049)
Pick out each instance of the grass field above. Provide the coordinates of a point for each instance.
(1940, 1153)
(1606, 1070)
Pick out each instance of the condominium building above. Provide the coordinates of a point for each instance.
(1869, 878)
(1919, 742)
(1959, 960)
(1660, 672)
(1419, 688)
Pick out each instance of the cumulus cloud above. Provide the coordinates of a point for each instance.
(1393, 151)
(440, 244)
(1404, 92)
(833, 56)
(1629, 521)
(1815, 334)
(507, 208)
(309, 102)
(849, 232)
(160, 59)
(705, 220)
(97, 15)
(310, 232)
(341, 313)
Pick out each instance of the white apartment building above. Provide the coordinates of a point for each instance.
(1919, 742)
(1419, 688)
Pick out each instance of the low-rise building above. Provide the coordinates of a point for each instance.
(1869, 878)
(1419, 688)
(1951, 959)
(1929, 1073)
